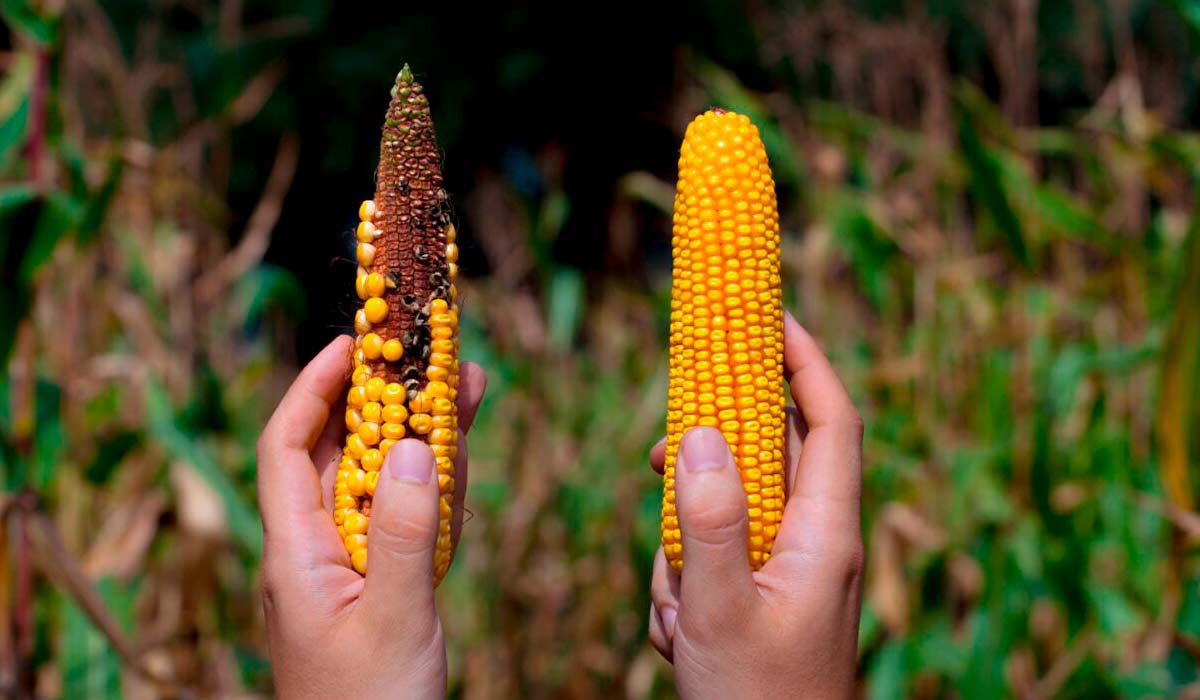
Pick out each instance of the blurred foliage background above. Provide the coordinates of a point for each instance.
(989, 212)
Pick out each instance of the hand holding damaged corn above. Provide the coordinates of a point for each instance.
(391, 468)
(767, 603)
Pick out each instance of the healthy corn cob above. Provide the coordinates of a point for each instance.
(405, 378)
(726, 351)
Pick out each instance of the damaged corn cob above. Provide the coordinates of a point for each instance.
(726, 347)
(405, 378)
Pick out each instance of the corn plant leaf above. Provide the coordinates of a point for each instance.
(168, 431)
(89, 667)
(985, 182)
(59, 214)
(1178, 419)
(565, 301)
(23, 16)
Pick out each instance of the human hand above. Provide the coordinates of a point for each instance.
(790, 629)
(332, 632)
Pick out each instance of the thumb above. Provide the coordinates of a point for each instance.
(711, 503)
(403, 530)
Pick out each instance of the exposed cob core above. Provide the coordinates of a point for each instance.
(405, 378)
(726, 363)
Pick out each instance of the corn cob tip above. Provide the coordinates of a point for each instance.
(405, 75)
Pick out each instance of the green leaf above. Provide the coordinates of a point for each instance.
(888, 671)
(565, 298)
(49, 440)
(166, 429)
(23, 17)
(266, 287)
(111, 452)
(12, 131)
(89, 667)
(985, 181)
(13, 197)
(98, 203)
(1114, 611)
(59, 214)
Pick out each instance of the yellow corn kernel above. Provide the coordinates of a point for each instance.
(422, 403)
(374, 284)
(393, 394)
(353, 418)
(440, 436)
(420, 423)
(355, 523)
(355, 543)
(357, 482)
(372, 346)
(393, 350)
(361, 324)
(366, 210)
(395, 413)
(366, 254)
(375, 309)
(727, 319)
(372, 460)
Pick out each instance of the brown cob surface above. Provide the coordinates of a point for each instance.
(405, 378)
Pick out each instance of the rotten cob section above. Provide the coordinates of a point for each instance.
(726, 345)
(405, 378)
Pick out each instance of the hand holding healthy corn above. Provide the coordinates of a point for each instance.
(789, 629)
(768, 602)
(332, 632)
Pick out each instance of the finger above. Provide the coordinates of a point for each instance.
(658, 455)
(816, 389)
(328, 452)
(288, 487)
(664, 605)
(711, 505)
(461, 468)
(658, 635)
(402, 534)
(472, 381)
(793, 446)
(828, 481)
(472, 384)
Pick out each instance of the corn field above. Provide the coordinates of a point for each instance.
(989, 221)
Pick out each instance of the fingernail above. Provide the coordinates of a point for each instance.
(703, 449)
(668, 613)
(410, 460)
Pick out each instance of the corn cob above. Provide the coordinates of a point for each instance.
(726, 346)
(405, 377)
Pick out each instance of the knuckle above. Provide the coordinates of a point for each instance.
(717, 524)
(854, 421)
(849, 558)
(402, 536)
